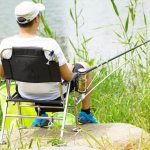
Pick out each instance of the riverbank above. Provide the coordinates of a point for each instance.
(92, 137)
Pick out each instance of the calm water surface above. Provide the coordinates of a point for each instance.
(96, 14)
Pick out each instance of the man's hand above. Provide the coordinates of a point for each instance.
(75, 76)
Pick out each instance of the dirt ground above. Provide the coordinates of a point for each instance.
(89, 137)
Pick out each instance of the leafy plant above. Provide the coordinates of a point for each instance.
(80, 46)
(47, 31)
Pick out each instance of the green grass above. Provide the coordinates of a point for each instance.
(118, 100)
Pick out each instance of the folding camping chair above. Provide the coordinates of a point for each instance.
(28, 64)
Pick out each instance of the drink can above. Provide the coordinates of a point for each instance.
(82, 80)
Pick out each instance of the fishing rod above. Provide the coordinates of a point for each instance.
(81, 74)
(84, 94)
(109, 60)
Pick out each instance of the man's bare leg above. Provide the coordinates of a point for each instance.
(85, 115)
(86, 101)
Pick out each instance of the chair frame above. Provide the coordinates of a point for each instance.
(12, 98)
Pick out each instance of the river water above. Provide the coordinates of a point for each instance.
(98, 16)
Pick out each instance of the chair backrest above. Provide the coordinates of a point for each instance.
(29, 64)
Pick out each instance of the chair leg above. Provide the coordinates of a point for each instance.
(76, 115)
(20, 113)
(3, 123)
(64, 120)
(65, 112)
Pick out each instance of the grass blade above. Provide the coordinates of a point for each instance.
(30, 144)
(132, 14)
(72, 45)
(71, 14)
(115, 7)
(118, 35)
(127, 24)
(145, 20)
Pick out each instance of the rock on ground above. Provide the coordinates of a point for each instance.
(110, 136)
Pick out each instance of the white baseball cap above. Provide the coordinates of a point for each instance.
(28, 11)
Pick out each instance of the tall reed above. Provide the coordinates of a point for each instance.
(80, 45)
(46, 31)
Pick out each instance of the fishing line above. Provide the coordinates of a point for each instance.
(94, 78)
(127, 61)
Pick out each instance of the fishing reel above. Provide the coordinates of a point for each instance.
(82, 80)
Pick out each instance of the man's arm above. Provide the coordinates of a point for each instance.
(1, 71)
(66, 72)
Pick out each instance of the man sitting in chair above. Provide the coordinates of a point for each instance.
(28, 18)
